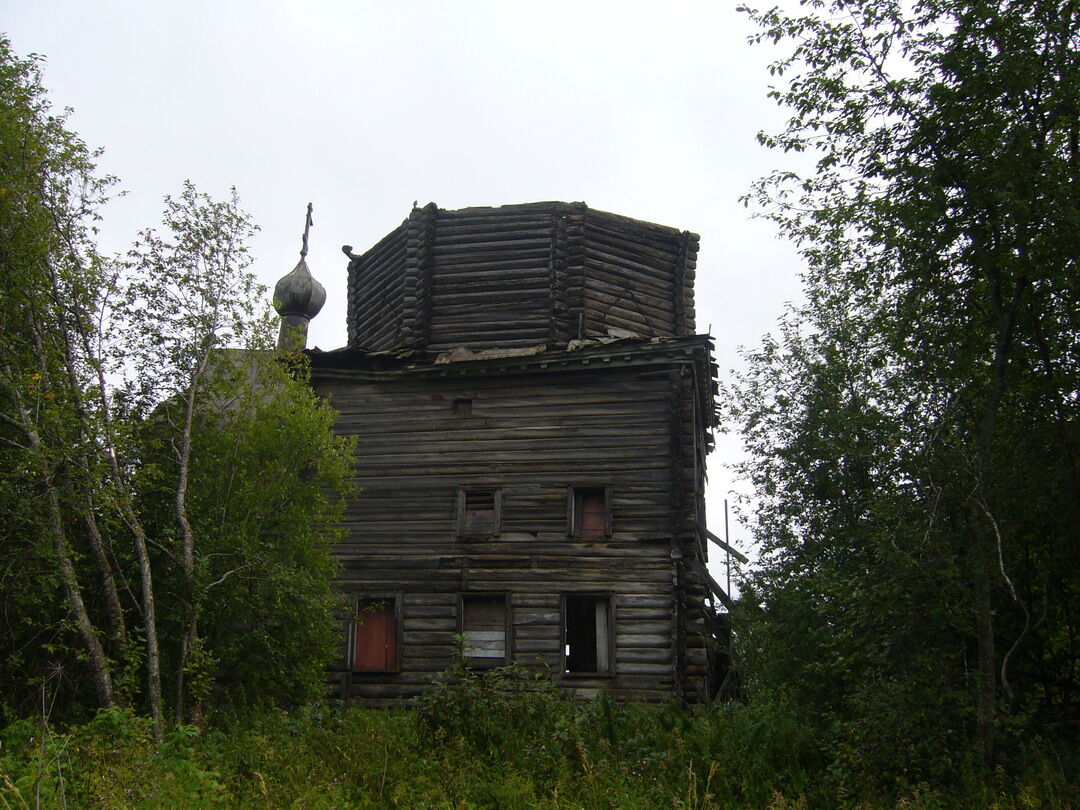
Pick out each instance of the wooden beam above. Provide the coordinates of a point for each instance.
(732, 551)
(714, 586)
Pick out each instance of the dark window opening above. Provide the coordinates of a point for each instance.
(483, 625)
(587, 633)
(479, 512)
(374, 636)
(590, 512)
(462, 407)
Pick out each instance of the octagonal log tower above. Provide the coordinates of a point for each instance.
(533, 410)
(520, 275)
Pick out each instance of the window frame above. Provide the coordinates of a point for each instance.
(462, 497)
(476, 662)
(393, 599)
(573, 518)
(609, 598)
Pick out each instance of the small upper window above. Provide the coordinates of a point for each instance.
(590, 511)
(479, 512)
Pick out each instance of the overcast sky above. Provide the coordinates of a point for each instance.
(649, 110)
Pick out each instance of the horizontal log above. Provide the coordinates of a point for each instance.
(525, 600)
(383, 427)
(516, 247)
(639, 228)
(502, 218)
(625, 640)
(482, 228)
(412, 623)
(555, 473)
(660, 286)
(634, 668)
(638, 655)
(508, 443)
(385, 266)
(489, 270)
(555, 400)
(414, 610)
(416, 601)
(603, 293)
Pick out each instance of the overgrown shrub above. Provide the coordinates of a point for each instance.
(497, 739)
(491, 709)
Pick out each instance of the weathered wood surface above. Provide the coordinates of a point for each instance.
(533, 436)
(519, 275)
(376, 293)
(638, 422)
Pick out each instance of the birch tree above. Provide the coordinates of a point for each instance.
(141, 405)
(189, 296)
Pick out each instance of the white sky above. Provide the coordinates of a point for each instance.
(646, 109)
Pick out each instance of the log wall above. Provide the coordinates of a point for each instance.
(520, 275)
(531, 435)
(376, 290)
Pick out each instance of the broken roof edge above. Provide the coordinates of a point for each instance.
(588, 353)
(346, 362)
(547, 206)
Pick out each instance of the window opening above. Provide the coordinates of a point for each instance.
(374, 635)
(590, 512)
(462, 407)
(479, 512)
(587, 634)
(483, 624)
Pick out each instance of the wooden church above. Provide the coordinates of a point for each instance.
(533, 410)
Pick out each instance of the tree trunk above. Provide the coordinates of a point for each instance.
(115, 613)
(187, 540)
(117, 628)
(153, 654)
(146, 575)
(986, 678)
(99, 663)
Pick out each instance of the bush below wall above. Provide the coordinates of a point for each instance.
(494, 741)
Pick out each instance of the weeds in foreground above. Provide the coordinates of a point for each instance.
(496, 739)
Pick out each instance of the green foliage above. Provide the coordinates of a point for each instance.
(49, 196)
(913, 428)
(187, 291)
(598, 755)
(155, 455)
(268, 614)
(488, 709)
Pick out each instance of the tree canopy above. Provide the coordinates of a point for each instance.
(143, 561)
(913, 428)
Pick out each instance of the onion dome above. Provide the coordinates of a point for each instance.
(298, 297)
(298, 293)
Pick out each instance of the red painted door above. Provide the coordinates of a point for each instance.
(375, 640)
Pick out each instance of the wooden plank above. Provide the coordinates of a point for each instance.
(738, 555)
(714, 586)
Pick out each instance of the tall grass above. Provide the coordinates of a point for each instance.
(501, 739)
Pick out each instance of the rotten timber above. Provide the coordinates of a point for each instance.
(501, 359)
(519, 275)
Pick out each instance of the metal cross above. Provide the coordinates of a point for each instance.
(307, 228)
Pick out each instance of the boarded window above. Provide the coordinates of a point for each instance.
(374, 635)
(483, 624)
(590, 512)
(587, 634)
(479, 512)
